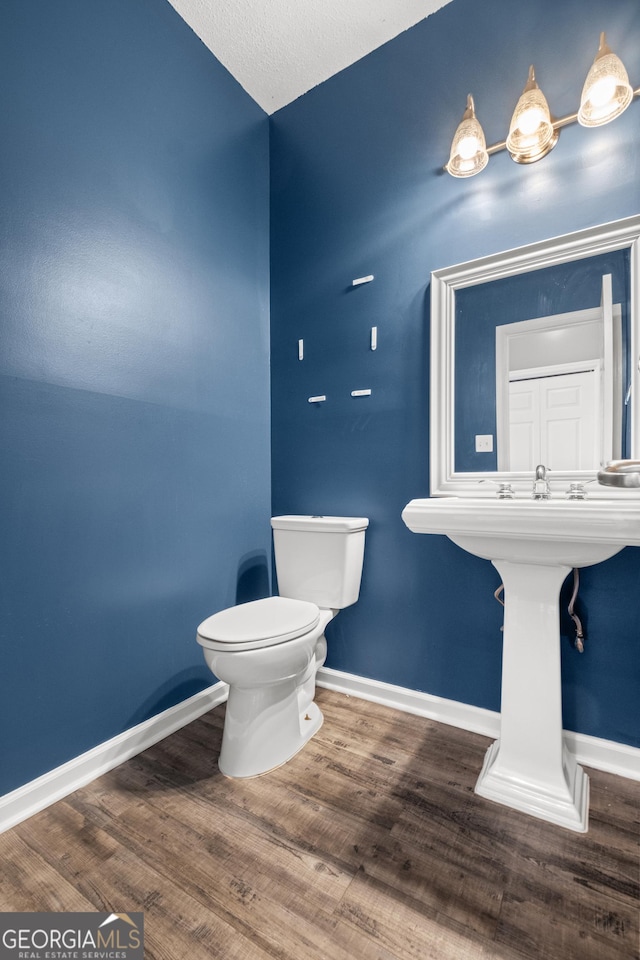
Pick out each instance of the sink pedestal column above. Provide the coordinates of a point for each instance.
(533, 544)
(529, 767)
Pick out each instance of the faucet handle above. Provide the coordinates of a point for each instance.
(505, 490)
(577, 490)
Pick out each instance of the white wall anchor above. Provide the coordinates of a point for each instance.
(300, 349)
(361, 393)
(374, 338)
(356, 283)
(319, 399)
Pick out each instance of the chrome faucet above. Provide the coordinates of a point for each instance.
(541, 488)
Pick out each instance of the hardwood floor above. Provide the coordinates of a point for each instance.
(369, 845)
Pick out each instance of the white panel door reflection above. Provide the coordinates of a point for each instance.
(559, 389)
(555, 420)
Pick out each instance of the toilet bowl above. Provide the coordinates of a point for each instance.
(269, 651)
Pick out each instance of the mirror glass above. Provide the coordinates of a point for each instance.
(530, 367)
(532, 360)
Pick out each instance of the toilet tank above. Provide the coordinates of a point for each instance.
(319, 558)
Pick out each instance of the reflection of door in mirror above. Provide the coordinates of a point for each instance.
(553, 420)
(558, 384)
(557, 313)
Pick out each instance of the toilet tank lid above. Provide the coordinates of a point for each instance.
(320, 524)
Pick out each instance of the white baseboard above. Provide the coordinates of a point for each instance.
(607, 755)
(22, 803)
(452, 712)
(618, 758)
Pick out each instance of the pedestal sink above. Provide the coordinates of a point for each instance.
(533, 545)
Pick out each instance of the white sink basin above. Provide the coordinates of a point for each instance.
(533, 545)
(575, 533)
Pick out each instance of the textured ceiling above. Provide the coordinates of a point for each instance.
(279, 49)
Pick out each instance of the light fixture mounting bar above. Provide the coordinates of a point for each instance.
(557, 124)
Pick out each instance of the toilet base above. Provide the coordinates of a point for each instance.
(277, 736)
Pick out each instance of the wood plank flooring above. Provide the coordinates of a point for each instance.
(369, 845)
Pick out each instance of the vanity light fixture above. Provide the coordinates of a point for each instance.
(468, 150)
(533, 132)
(607, 91)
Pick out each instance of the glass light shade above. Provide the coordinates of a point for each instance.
(468, 149)
(531, 134)
(607, 91)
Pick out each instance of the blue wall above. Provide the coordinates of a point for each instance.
(134, 367)
(356, 189)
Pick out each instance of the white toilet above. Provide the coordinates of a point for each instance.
(269, 651)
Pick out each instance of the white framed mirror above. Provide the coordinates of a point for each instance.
(534, 359)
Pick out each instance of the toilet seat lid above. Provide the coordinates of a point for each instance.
(273, 619)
